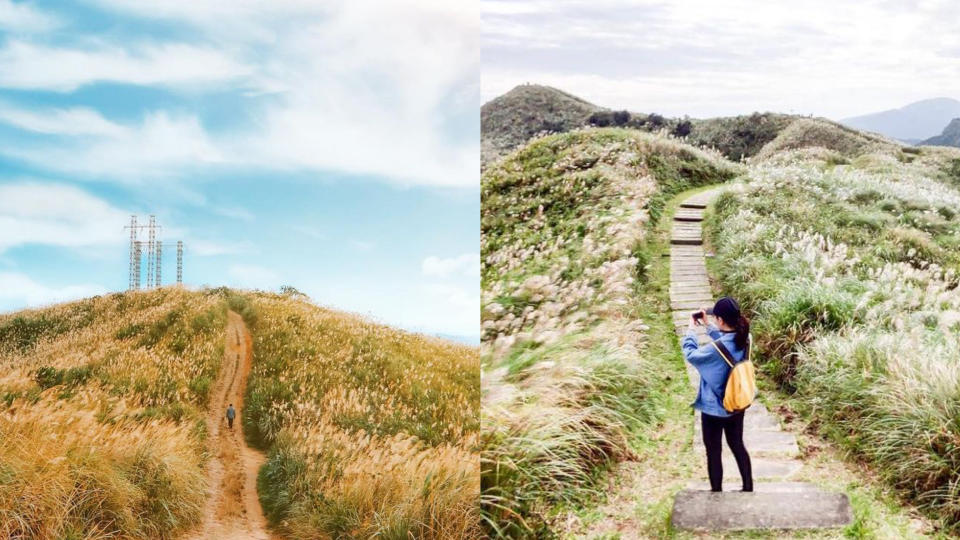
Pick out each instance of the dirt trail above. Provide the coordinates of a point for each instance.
(233, 510)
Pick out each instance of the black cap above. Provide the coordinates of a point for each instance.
(727, 309)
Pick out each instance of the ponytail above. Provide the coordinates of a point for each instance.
(742, 329)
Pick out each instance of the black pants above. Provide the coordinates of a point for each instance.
(713, 429)
(230, 422)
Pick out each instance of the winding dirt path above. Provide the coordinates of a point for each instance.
(233, 510)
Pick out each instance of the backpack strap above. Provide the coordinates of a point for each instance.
(723, 352)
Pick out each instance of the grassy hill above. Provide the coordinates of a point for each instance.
(849, 261)
(102, 404)
(567, 379)
(842, 246)
(510, 120)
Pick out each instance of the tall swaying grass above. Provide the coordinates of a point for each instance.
(101, 414)
(566, 385)
(370, 431)
(850, 265)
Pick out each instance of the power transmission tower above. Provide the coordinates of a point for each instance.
(157, 281)
(137, 257)
(133, 281)
(151, 250)
(179, 262)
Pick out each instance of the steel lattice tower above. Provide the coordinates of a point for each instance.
(151, 249)
(133, 281)
(179, 262)
(138, 255)
(159, 266)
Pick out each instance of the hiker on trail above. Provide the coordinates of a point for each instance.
(730, 332)
(231, 414)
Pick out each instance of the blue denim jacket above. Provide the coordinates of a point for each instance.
(712, 367)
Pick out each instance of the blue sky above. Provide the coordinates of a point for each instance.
(704, 58)
(331, 146)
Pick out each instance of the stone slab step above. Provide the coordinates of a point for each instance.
(764, 468)
(757, 418)
(763, 443)
(693, 204)
(686, 241)
(706, 511)
(758, 487)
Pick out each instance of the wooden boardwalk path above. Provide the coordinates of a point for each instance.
(777, 502)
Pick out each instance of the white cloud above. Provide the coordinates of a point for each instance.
(19, 289)
(58, 215)
(368, 88)
(69, 121)
(26, 65)
(746, 56)
(22, 17)
(467, 265)
(160, 147)
(253, 276)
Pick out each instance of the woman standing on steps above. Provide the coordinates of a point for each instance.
(731, 331)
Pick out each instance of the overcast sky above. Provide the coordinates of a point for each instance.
(833, 58)
(331, 146)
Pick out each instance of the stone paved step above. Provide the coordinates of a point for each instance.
(762, 443)
(774, 505)
(764, 468)
(706, 511)
(758, 487)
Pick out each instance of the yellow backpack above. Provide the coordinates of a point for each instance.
(742, 383)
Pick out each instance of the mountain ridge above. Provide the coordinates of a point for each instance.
(912, 123)
(949, 137)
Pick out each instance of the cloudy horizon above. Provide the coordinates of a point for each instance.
(706, 59)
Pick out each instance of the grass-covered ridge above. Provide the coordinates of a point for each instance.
(101, 414)
(370, 431)
(849, 258)
(564, 225)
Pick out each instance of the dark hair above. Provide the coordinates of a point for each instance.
(727, 309)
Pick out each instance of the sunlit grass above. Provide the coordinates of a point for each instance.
(370, 431)
(101, 431)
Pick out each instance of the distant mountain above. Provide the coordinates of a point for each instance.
(912, 123)
(949, 137)
(510, 120)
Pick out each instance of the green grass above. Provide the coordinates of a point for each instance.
(851, 280)
(583, 402)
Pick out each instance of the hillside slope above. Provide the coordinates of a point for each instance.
(568, 381)
(847, 260)
(104, 420)
(949, 137)
(911, 123)
(510, 120)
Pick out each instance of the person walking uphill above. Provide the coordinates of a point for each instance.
(231, 414)
(731, 334)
